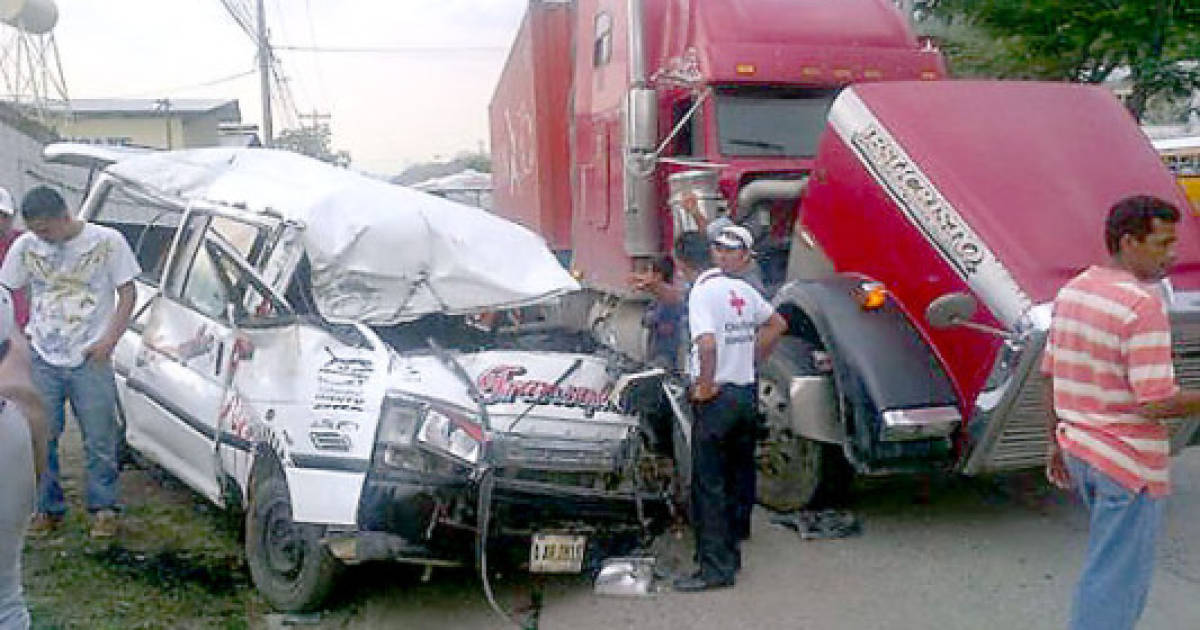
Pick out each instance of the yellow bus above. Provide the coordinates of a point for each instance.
(1182, 157)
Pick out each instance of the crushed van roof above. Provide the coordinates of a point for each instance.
(380, 253)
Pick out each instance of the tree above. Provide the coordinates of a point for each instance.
(1156, 41)
(481, 162)
(314, 141)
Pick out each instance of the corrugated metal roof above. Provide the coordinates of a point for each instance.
(126, 106)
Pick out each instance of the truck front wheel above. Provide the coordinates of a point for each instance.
(794, 472)
(289, 564)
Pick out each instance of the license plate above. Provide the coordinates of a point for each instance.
(556, 553)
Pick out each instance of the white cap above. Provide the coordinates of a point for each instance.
(734, 237)
(8, 323)
(6, 202)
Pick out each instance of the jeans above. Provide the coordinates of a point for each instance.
(1122, 532)
(722, 458)
(16, 504)
(92, 391)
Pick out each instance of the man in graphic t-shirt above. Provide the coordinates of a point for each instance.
(80, 285)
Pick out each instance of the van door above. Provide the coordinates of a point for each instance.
(182, 369)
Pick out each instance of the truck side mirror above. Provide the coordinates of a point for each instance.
(951, 310)
(956, 309)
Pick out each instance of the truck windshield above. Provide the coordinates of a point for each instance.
(771, 121)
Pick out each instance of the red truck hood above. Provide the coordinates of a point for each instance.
(1030, 168)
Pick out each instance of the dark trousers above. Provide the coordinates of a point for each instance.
(723, 479)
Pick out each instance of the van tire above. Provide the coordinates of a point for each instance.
(289, 564)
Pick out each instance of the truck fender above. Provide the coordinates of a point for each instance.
(879, 359)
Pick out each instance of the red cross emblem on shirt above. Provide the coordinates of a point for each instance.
(736, 302)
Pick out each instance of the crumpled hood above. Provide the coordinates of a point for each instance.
(511, 382)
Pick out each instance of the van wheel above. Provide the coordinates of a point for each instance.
(794, 472)
(288, 563)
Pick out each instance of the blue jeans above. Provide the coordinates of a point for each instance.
(1122, 533)
(92, 391)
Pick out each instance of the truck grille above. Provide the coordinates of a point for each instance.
(1022, 441)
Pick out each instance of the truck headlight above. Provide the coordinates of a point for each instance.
(450, 434)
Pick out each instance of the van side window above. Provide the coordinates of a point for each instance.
(147, 224)
(207, 289)
(602, 46)
(217, 277)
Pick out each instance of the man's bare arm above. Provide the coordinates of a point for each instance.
(126, 299)
(705, 387)
(768, 336)
(1185, 403)
(16, 385)
(1056, 466)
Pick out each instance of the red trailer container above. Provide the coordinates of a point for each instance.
(530, 122)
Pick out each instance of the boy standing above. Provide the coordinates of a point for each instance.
(73, 270)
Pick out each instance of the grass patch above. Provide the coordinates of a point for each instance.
(176, 563)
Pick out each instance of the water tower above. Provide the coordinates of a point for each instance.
(29, 63)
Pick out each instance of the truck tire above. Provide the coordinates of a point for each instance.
(794, 472)
(288, 563)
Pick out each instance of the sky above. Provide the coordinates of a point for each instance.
(424, 96)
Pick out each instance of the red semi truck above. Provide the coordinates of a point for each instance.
(912, 231)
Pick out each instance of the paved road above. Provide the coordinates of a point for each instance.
(977, 554)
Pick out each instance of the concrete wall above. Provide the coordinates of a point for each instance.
(21, 165)
(149, 131)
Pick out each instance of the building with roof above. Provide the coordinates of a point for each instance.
(164, 123)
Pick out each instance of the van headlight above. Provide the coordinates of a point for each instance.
(450, 434)
(394, 437)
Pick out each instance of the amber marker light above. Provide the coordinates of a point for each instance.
(746, 69)
(870, 295)
(810, 71)
(929, 75)
(842, 73)
(872, 74)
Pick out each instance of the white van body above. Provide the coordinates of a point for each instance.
(308, 346)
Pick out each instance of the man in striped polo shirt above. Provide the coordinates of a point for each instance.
(1108, 357)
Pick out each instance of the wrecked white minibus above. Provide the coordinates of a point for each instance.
(309, 348)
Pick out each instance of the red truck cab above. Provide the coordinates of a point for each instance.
(601, 101)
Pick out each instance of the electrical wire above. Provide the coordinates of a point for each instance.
(399, 50)
(486, 484)
(312, 37)
(190, 86)
(241, 18)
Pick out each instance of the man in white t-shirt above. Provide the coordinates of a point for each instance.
(81, 293)
(22, 459)
(732, 326)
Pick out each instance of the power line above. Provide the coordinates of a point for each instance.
(178, 88)
(312, 37)
(389, 49)
(241, 17)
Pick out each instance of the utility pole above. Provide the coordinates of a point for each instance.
(264, 77)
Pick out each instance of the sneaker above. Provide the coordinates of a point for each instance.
(43, 524)
(104, 524)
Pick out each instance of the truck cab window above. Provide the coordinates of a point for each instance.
(687, 141)
(602, 45)
(764, 121)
